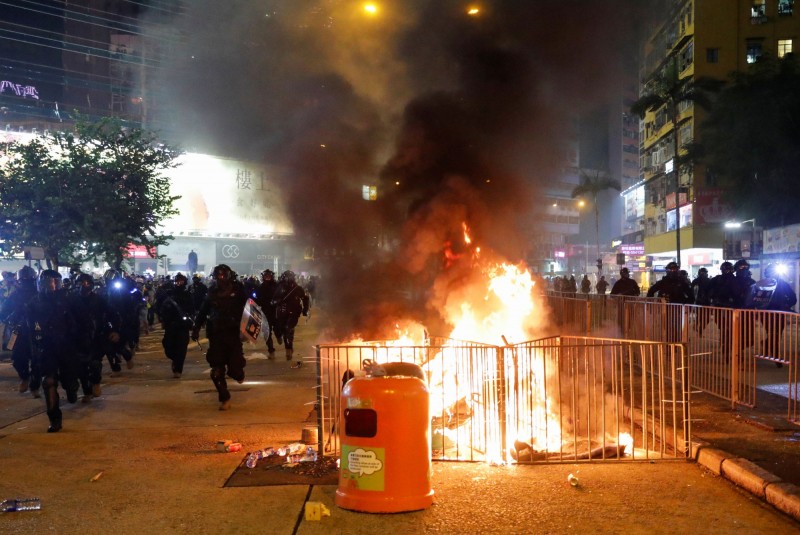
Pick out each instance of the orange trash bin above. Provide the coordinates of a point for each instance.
(385, 464)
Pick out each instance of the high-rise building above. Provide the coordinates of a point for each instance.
(702, 38)
(87, 56)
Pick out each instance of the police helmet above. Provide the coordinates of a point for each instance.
(222, 272)
(268, 273)
(26, 273)
(672, 266)
(180, 278)
(84, 279)
(741, 264)
(726, 267)
(49, 282)
(702, 271)
(770, 271)
(288, 276)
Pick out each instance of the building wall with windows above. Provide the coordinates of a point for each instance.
(706, 38)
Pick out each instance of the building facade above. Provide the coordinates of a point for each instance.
(703, 38)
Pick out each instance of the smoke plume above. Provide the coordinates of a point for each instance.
(455, 118)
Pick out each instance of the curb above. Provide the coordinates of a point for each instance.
(745, 474)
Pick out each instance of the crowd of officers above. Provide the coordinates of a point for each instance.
(60, 331)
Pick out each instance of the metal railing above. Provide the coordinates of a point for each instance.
(724, 344)
(552, 400)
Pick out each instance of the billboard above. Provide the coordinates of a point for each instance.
(634, 204)
(225, 197)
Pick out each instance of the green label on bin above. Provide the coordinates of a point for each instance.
(363, 467)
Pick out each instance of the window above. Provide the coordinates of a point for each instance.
(758, 13)
(712, 55)
(784, 47)
(785, 7)
(754, 50)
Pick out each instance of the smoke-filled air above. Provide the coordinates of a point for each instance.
(459, 112)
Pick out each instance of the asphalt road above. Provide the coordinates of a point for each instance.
(153, 439)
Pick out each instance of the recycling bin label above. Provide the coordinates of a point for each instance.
(364, 468)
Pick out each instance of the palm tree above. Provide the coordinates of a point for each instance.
(667, 90)
(592, 182)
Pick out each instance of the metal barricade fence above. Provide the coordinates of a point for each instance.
(724, 344)
(581, 398)
(567, 398)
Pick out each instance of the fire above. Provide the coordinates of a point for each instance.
(489, 302)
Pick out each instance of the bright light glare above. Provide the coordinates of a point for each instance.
(371, 9)
(781, 269)
(733, 224)
(473, 11)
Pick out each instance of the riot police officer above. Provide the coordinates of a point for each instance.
(290, 300)
(176, 314)
(672, 286)
(264, 295)
(120, 298)
(12, 313)
(95, 334)
(222, 311)
(52, 325)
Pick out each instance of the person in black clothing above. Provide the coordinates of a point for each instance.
(743, 282)
(177, 315)
(723, 293)
(264, 295)
(53, 329)
(625, 285)
(12, 314)
(673, 287)
(191, 262)
(119, 297)
(223, 310)
(701, 287)
(198, 290)
(94, 336)
(290, 300)
(676, 290)
(601, 285)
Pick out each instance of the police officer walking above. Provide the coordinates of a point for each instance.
(222, 311)
(12, 313)
(53, 328)
(95, 334)
(177, 314)
(625, 285)
(676, 290)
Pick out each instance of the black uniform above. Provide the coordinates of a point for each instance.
(290, 300)
(12, 314)
(52, 325)
(121, 297)
(176, 314)
(222, 311)
(673, 289)
(264, 296)
(95, 323)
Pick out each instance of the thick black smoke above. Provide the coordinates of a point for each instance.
(456, 118)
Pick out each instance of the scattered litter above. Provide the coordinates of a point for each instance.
(572, 480)
(20, 504)
(298, 364)
(295, 453)
(316, 510)
(228, 446)
(97, 476)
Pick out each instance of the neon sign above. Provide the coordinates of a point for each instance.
(20, 90)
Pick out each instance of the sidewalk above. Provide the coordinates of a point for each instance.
(152, 438)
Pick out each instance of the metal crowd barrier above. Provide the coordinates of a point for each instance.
(724, 344)
(560, 399)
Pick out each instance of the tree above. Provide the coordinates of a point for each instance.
(667, 90)
(591, 184)
(750, 141)
(86, 194)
